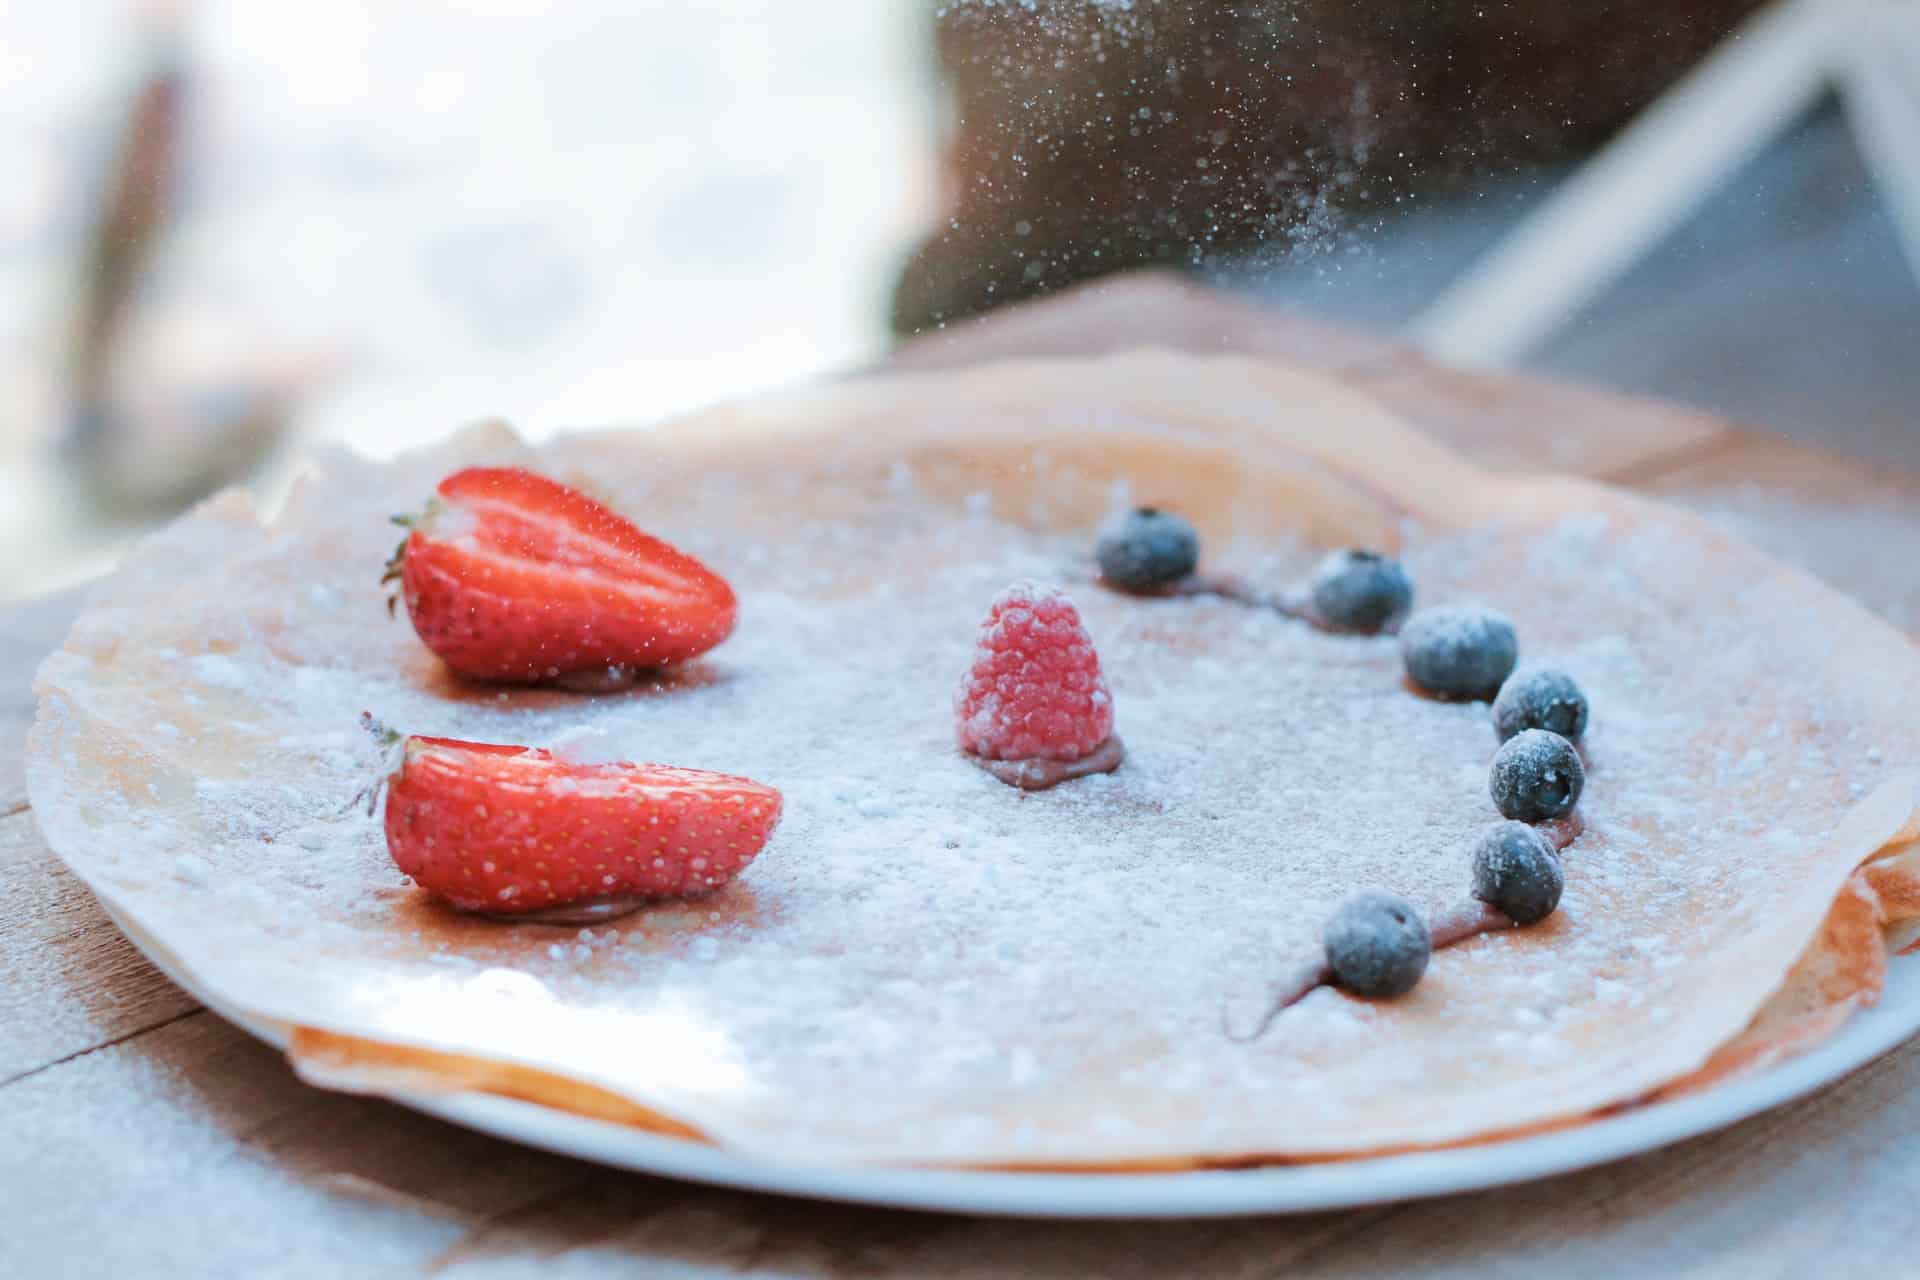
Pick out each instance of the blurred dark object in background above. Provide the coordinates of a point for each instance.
(139, 450)
(131, 217)
(1087, 138)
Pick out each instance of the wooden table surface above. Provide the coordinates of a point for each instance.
(142, 1135)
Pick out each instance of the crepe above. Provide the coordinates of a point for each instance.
(928, 967)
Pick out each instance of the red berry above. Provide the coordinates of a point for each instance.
(511, 576)
(1035, 690)
(512, 831)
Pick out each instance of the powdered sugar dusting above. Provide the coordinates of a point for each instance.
(939, 964)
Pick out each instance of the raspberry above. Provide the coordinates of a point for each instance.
(1035, 690)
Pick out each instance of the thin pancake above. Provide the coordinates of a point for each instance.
(929, 967)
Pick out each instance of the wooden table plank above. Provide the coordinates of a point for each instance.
(197, 1145)
(72, 980)
(186, 1148)
(1824, 1187)
(193, 1151)
(28, 632)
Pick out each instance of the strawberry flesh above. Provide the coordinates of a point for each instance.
(513, 577)
(516, 832)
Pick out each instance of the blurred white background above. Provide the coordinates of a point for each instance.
(428, 212)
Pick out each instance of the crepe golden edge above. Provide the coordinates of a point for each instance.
(1345, 492)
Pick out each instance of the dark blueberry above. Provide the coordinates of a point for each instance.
(1516, 871)
(1361, 591)
(1377, 945)
(1147, 550)
(1459, 651)
(1541, 698)
(1536, 776)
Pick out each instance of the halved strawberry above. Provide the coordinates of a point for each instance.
(512, 831)
(514, 577)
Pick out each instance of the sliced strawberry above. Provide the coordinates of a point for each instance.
(514, 577)
(512, 831)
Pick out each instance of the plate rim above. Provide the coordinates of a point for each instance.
(1868, 1035)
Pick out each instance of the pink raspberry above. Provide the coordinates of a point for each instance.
(1035, 690)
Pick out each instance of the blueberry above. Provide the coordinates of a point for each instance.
(1536, 776)
(1146, 550)
(1459, 651)
(1541, 698)
(1361, 591)
(1377, 945)
(1516, 871)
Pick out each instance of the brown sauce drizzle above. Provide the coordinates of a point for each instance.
(1468, 919)
(1038, 775)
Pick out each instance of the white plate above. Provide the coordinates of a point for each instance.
(1221, 1193)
